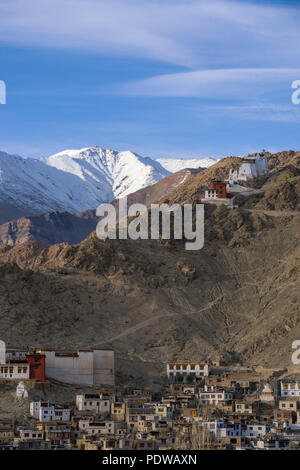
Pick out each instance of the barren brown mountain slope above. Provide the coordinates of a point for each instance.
(236, 298)
(281, 191)
(50, 228)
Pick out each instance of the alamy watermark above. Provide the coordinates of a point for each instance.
(2, 92)
(296, 354)
(296, 94)
(2, 352)
(160, 221)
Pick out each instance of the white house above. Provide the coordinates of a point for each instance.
(93, 402)
(45, 412)
(14, 371)
(31, 434)
(290, 388)
(93, 427)
(212, 395)
(255, 430)
(223, 429)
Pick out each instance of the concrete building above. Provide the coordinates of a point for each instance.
(223, 429)
(118, 411)
(21, 364)
(45, 412)
(255, 430)
(290, 388)
(92, 427)
(97, 402)
(31, 434)
(83, 367)
(243, 407)
(213, 395)
(14, 371)
(291, 404)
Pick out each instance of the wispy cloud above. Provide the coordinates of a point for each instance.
(260, 112)
(215, 84)
(191, 33)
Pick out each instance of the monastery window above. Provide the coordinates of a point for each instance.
(292, 386)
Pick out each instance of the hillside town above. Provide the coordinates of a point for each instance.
(201, 405)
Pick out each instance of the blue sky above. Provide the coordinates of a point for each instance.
(186, 78)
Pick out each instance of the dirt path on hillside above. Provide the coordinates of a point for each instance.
(275, 213)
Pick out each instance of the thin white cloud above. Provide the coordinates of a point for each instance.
(216, 84)
(194, 33)
(259, 112)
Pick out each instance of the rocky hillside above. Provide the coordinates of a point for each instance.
(281, 191)
(237, 298)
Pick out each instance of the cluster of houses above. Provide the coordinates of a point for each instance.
(200, 406)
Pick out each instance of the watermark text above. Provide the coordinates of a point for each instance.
(2, 92)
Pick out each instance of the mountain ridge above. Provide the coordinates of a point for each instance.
(71, 181)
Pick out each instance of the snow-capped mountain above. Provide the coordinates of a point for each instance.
(75, 180)
(108, 174)
(177, 164)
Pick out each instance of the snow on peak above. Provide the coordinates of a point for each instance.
(123, 172)
(78, 180)
(177, 164)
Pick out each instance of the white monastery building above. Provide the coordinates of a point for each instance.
(253, 166)
(187, 368)
(83, 367)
